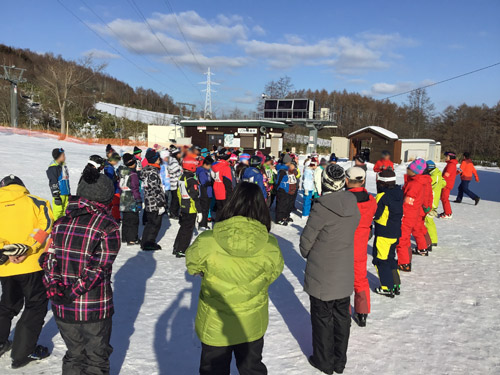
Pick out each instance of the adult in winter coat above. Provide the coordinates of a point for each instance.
(130, 199)
(467, 170)
(154, 201)
(223, 180)
(204, 177)
(415, 208)
(238, 252)
(387, 233)
(175, 171)
(318, 177)
(254, 175)
(78, 269)
(165, 176)
(367, 207)
(287, 185)
(327, 243)
(359, 161)
(384, 162)
(25, 224)
(438, 183)
(189, 199)
(58, 176)
(308, 185)
(449, 175)
(110, 171)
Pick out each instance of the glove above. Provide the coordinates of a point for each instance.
(58, 200)
(138, 206)
(15, 249)
(433, 213)
(161, 211)
(199, 217)
(427, 209)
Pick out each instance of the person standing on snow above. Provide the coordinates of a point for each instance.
(25, 224)
(367, 207)
(318, 175)
(359, 161)
(308, 185)
(110, 171)
(154, 201)
(203, 174)
(327, 243)
(58, 176)
(130, 199)
(286, 186)
(387, 233)
(254, 175)
(189, 200)
(223, 179)
(466, 170)
(438, 183)
(165, 176)
(238, 251)
(449, 175)
(77, 276)
(138, 156)
(175, 171)
(384, 162)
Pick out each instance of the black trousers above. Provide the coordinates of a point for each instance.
(216, 360)
(19, 290)
(185, 233)
(152, 228)
(331, 324)
(284, 205)
(88, 347)
(205, 208)
(174, 204)
(130, 226)
(291, 203)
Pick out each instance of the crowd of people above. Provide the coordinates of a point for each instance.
(63, 253)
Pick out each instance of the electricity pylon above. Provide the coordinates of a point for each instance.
(207, 113)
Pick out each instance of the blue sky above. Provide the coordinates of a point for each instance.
(377, 48)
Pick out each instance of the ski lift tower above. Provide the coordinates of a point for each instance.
(14, 76)
(300, 112)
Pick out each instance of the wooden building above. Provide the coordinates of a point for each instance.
(371, 141)
(251, 135)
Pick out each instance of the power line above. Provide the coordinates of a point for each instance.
(444, 80)
(169, 5)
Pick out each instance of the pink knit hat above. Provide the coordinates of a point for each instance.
(418, 166)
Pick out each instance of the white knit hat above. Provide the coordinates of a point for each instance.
(333, 178)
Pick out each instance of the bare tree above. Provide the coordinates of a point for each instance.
(420, 111)
(282, 88)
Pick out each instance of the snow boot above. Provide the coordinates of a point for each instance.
(5, 347)
(41, 352)
(476, 201)
(282, 222)
(433, 245)
(397, 290)
(457, 201)
(180, 254)
(151, 246)
(424, 252)
(444, 216)
(289, 220)
(384, 292)
(313, 364)
(405, 267)
(362, 319)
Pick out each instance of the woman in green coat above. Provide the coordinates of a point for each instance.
(238, 260)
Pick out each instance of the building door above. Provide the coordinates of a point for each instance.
(215, 140)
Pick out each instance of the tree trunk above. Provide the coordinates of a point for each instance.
(63, 124)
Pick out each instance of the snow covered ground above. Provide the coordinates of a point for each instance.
(446, 320)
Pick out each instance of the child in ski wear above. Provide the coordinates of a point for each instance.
(449, 175)
(387, 233)
(367, 207)
(438, 183)
(287, 185)
(138, 157)
(413, 208)
(467, 170)
(130, 199)
(165, 176)
(223, 179)
(308, 185)
(318, 173)
(110, 171)
(206, 189)
(254, 175)
(175, 172)
(191, 211)
(58, 176)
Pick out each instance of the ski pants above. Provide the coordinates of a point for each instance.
(17, 291)
(205, 209)
(216, 360)
(361, 284)
(384, 259)
(115, 207)
(445, 200)
(431, 229)
(174, 203)
(130, 226)
(411, 225)
(187, 223)
(60, 210)
(463, 188)
(331, 325)
(88, 347)
(306, 210)
(284, 205)
(152, 228)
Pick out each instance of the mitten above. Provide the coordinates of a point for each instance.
(15, 249)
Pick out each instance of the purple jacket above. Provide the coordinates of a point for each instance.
(84, 246)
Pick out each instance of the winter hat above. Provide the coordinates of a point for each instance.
(387, 176)
(152, 156)
(174, 152)
(11, 180)
(101, 190)
(97, 161)
(355, 174)
(137, 150)
(430, 165)
(360, 158)
(451, 154)
(222, 151)
(57, 152)
(164, 154)
(244, 157)
(418, 166)
(233, 157)
(467, 155)
(208, 160)
(114, 157)
(156, 146)
(333, 158)
(190, 163)
(255, 161)
(109, 149)
(322, 162)
(313, 162)
(129, 159)
(204, 152)
(287, 159)
(333, 178)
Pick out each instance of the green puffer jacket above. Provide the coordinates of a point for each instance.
(239, 259)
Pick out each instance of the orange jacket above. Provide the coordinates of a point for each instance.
(467, 169)
(382, 164)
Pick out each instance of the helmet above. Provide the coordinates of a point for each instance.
(11, 180)
(190, 164)
(255, 161)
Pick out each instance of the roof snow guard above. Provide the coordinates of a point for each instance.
(377, 130)
(235, 123)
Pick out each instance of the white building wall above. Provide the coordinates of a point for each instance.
(163, 135)
(340, 145)
(426, 149)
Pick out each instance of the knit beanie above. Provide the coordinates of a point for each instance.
(152, 156)
(418, 166)
(101, 190)
(333, 158)
(387, 177)
(129, 159)
(430, 165)
(109, 149)
(164, 154)
(137, 150)
(57, 152)
(333, 178)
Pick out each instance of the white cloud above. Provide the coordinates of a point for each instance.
(258, 30)
(294, 39)
(248, 98)
(100, 54)
(384, 88)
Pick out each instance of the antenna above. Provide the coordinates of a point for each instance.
(14, 76)
(208, 95)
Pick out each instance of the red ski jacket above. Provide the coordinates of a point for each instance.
(418, 194)
(382, 164)
(223, 180)
(467, 170)
(450, 173)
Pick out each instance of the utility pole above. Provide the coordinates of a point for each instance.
(14, 76)
(208, 94)
(181, 105)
